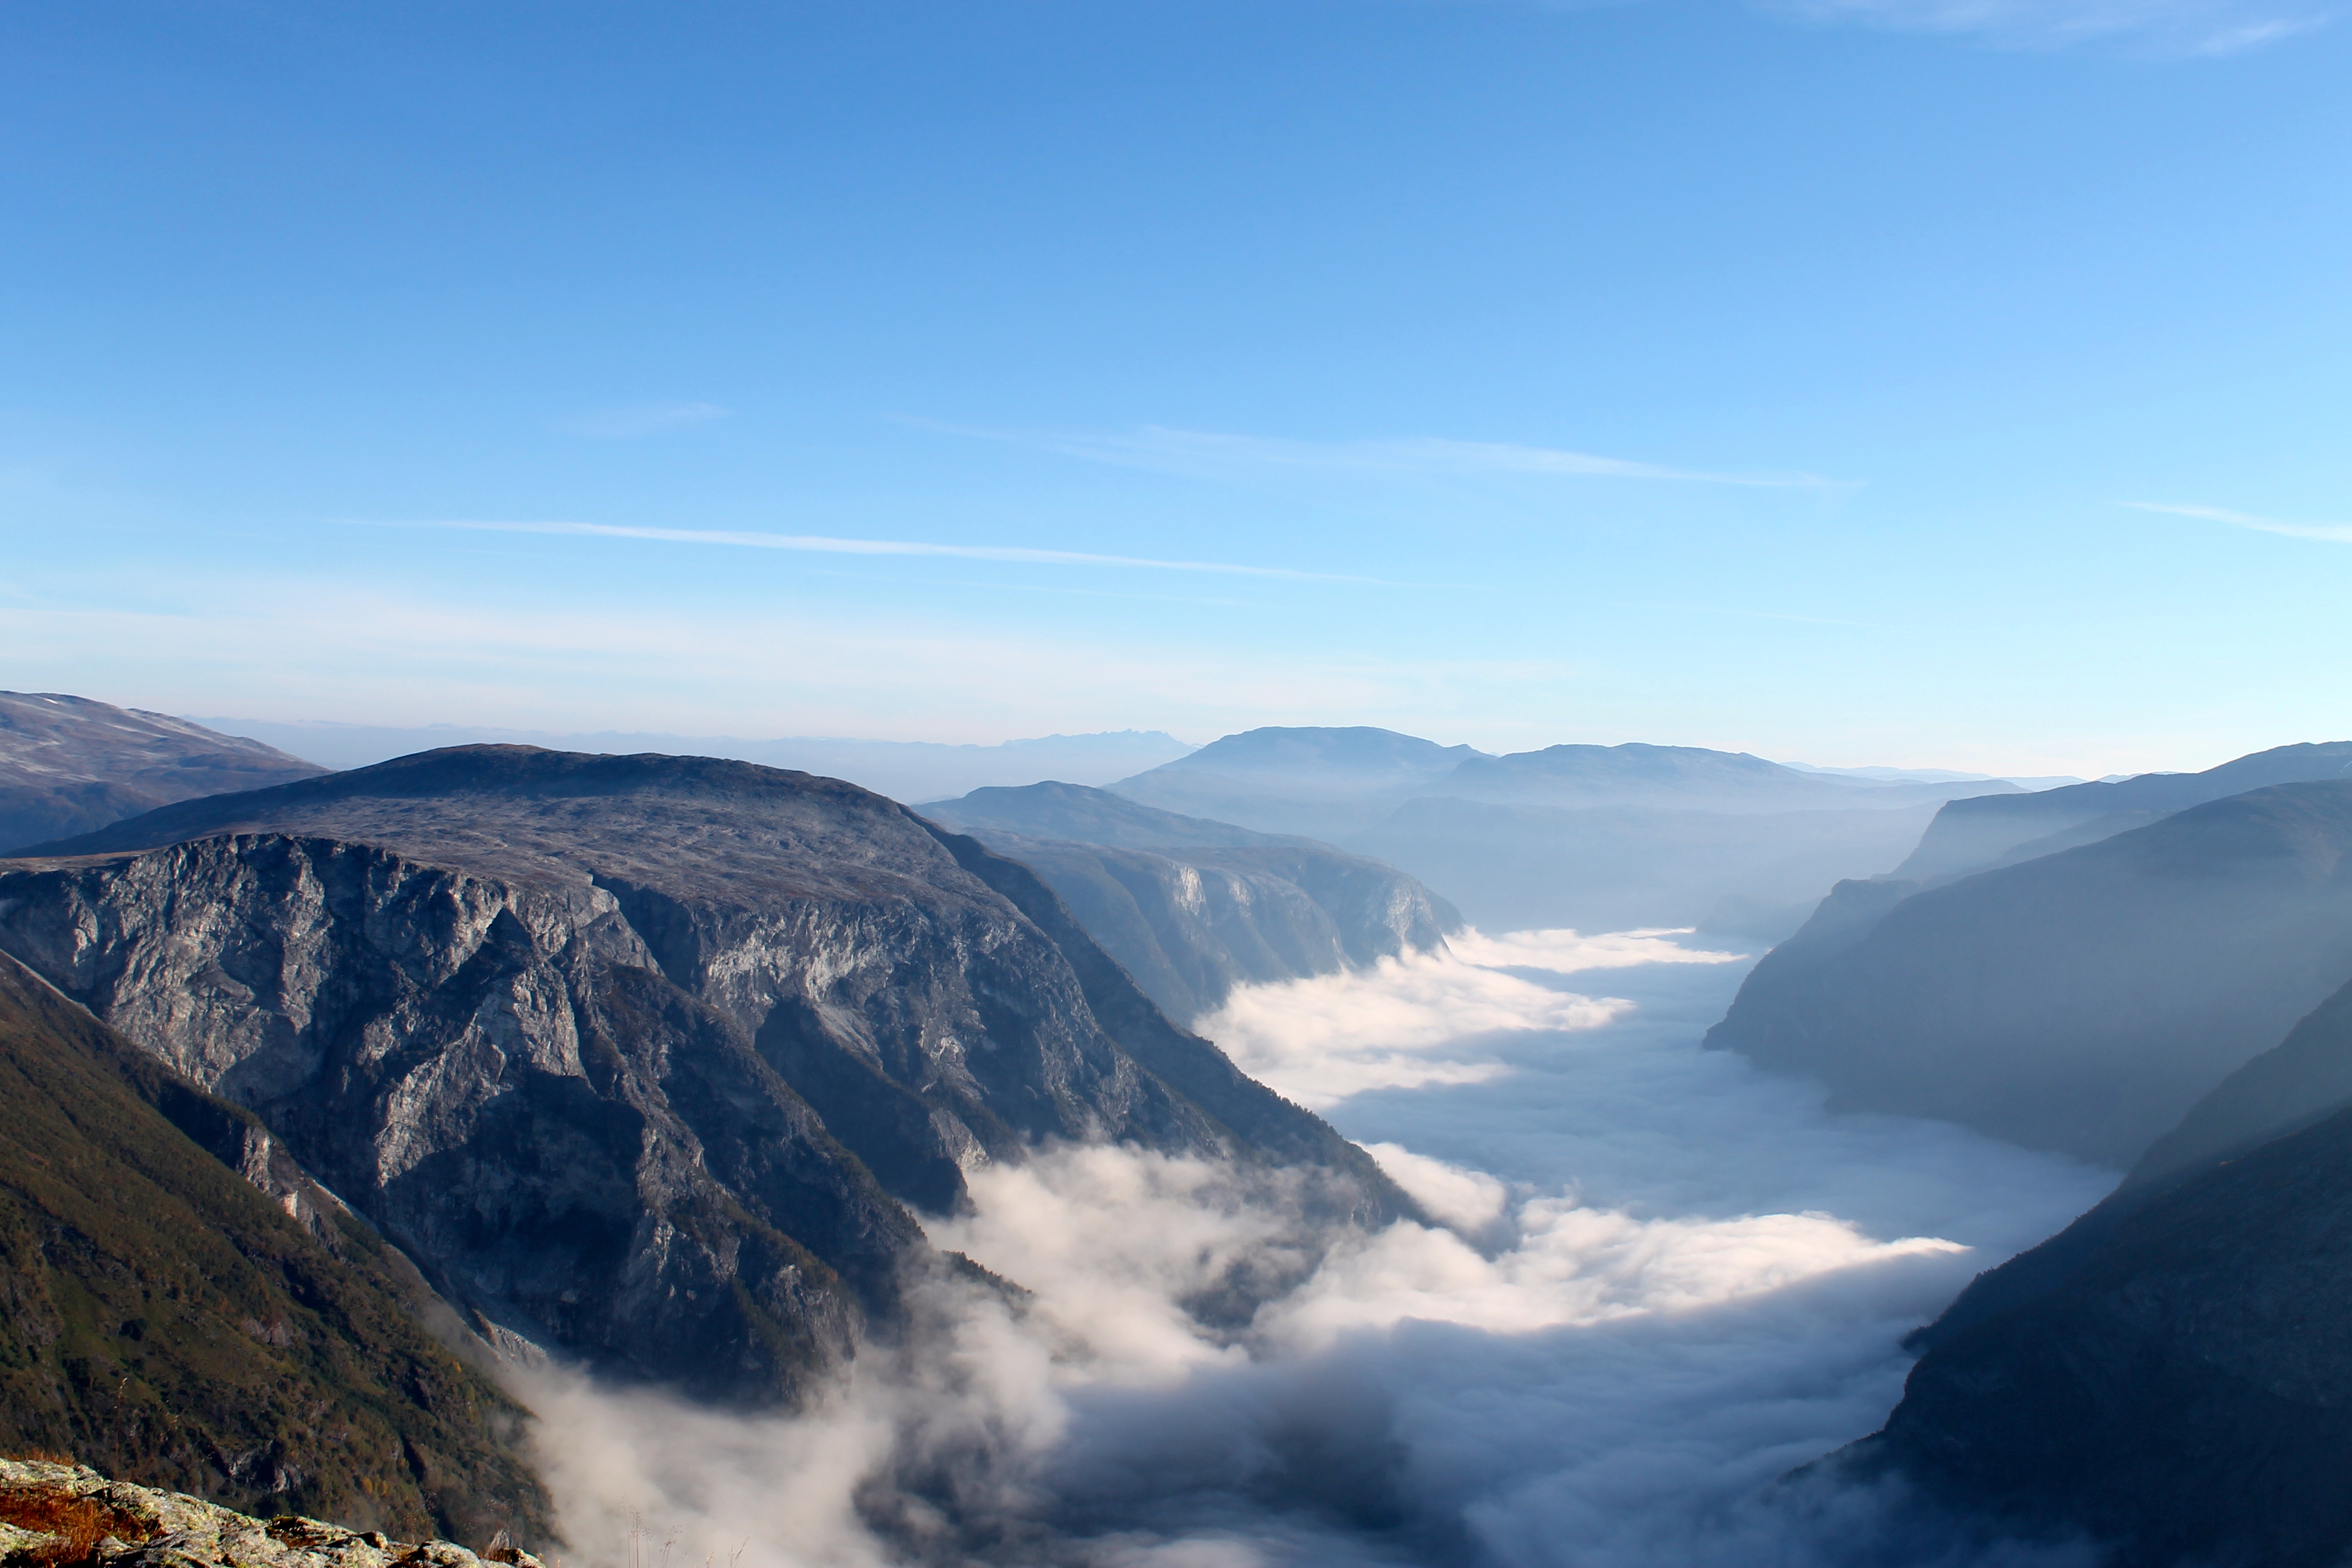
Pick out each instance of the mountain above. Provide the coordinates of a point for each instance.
(1685, 778)
(2171, 1376)
(1590, 837)
(242, 1336)
(903, 770)
(2080, 1001)
(1747, 873)
(1973, 834)
(69, 764)
(1317, 782)
(1193, 908)
(640, 1056)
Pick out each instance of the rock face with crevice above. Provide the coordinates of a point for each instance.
(645, 1058)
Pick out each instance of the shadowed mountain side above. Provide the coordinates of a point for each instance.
(69, 764)
(2081, 1002)
(2306, 1077)
(1274, 1128)
(1612, 869)
(2171, 1376)
(585, 1031)
(1192, 908)
(166, 1318)
(1974, 834)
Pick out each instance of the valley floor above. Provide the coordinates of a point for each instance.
(1666, 1280)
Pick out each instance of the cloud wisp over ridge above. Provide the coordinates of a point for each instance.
(826, 544)
(1211, 453)
(2168, 27)
(2333, 532)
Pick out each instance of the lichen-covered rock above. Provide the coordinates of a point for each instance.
(72, 1516)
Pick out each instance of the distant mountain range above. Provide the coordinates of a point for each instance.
(1597, 838)
(2084, 998)
(644, 1058)
(1193, 908)
(69, 764)
(903, 770)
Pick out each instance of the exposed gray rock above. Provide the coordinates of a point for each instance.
(2081, 1002)
(589, 1035)
(1194, 907)
(69, 764)
(144, 1527)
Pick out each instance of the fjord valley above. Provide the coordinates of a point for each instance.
(425, 1145)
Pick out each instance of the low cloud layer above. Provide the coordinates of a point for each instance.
(1622, 1333)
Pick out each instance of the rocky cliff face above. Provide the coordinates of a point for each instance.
(181, 1302)
(1194, 907)
(2081, 1002)
(635, 1053)
(69, 764)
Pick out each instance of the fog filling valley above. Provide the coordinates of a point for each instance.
(1663, 1282)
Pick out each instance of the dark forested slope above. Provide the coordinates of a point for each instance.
(167, 1319)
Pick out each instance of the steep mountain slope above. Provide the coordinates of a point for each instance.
(633, 1052)
(69, 764)
(1193, 908)
(2171, 1376)
(168, 1318)
(2081, 1002)
(1974, 834)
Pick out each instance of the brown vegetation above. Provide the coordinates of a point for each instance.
(75, 1525)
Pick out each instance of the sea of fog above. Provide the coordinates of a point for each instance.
(1659, 1282)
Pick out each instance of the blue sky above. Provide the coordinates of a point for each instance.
(1805, 379)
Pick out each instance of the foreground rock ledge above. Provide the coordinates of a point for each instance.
(68, 1515)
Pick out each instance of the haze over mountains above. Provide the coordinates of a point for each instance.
(903, 770)
(1596, 837)
(69, 764)
(678, 1068)
(2082, 999)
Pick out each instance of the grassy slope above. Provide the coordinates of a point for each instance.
(161, 1320)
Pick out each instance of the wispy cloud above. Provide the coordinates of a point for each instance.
(640, 419)
(1213, 452)
(2335, 533)
(821, 545)
(2170, 28)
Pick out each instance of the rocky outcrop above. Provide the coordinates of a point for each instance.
(180, 1301)
(65, 1516)
(2081, 1002)
(1192, 908)
(69, 764)
(639, 1056)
